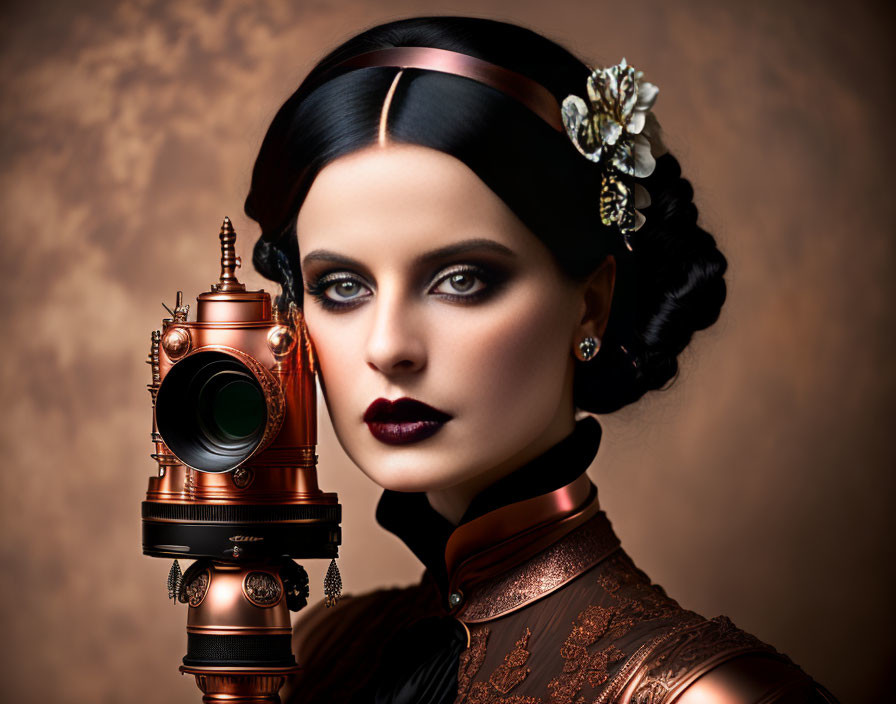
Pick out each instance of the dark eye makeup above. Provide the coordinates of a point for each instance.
(465, 283)
(337, 290)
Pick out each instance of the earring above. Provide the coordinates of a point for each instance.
(589, 347)
(332, 585)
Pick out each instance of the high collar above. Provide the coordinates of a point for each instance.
(505, 524)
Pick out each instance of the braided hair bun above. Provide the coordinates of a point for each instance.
(669, 286)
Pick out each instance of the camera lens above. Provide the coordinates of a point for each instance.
(211, 411)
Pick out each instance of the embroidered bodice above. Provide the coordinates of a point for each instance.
(531, 600)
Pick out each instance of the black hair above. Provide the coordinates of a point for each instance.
(671, 283)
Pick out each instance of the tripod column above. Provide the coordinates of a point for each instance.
(239, 637)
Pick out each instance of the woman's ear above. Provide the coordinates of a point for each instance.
(597, 296)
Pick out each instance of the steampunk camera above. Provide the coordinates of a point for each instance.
(234, 429)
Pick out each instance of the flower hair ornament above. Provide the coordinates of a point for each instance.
(617, 130)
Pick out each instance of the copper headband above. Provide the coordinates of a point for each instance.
(531, 94)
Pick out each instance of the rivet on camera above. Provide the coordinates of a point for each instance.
(242, 477)
(281, 341)
(177, 342)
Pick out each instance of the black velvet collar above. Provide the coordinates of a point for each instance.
(425, 531)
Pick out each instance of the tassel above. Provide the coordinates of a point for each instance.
(175, 581)
(332, 584)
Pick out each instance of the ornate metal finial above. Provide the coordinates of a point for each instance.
(153, 361)
(229, 261)
(181, 311)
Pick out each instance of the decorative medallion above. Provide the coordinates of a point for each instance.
(196, 588)
(262, 588)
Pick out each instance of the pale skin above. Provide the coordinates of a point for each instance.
(426, 285)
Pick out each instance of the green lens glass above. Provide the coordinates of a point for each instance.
(238, 409)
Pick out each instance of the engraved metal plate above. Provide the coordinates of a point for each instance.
(197, 588)
(262, 588)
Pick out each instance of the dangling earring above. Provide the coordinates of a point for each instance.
(589, 347)
(332, 585)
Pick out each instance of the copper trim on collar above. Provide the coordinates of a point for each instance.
(587, 540)
(509, 521)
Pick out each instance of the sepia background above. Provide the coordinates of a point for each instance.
(759, 486)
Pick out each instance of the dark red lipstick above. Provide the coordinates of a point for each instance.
(403, 420)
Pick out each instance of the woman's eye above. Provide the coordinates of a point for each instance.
(344, 290)
(337, 292)
(460, 283)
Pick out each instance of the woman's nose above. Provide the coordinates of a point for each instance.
(395, 342)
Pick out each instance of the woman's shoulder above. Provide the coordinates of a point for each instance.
(685, 658)
(711, 660)
(613, 636)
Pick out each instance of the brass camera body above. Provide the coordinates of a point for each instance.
(235, 432)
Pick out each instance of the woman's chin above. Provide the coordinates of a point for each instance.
(413, 474)
(404, 480)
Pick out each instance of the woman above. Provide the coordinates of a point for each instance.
(487, 240)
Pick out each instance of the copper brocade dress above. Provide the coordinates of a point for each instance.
(530, 600)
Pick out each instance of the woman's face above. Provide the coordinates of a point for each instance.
(422, 284)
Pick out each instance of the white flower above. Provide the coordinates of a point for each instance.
(608, 130)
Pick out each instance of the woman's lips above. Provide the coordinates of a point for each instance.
(403, 420)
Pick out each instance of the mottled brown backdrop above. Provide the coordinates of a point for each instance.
(759, 486)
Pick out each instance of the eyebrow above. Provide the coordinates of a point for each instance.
(450, 250)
